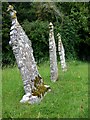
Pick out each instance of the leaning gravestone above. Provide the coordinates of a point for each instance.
(61, 53)
(21, 45)
(53, 56)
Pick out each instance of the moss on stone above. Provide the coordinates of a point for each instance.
(36, 93)
(40, 88)
(14, 15)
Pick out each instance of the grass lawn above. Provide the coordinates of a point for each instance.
(68, 98)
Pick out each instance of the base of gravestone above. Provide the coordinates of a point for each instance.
(31, 99)
(35, 99)
(64, 70)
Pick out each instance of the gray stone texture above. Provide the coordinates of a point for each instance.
(22, 49)
(53, 56)
(61, 53)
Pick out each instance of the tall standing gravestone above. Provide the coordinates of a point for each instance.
(61, 53)
(21, 45)
(53, 56)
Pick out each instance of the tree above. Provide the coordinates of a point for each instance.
(70, 19)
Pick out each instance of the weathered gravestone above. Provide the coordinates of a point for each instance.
(53, 56)
(61, 53)
(21, 45)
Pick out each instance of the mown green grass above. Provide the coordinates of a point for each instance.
(67, 99)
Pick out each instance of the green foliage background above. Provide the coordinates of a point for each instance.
(70, 19)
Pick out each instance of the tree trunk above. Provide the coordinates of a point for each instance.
(53, 56)
(21, 45)
(61, 53)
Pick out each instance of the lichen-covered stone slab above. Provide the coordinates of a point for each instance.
(61, 53)
(21, 45)
(53, 56)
